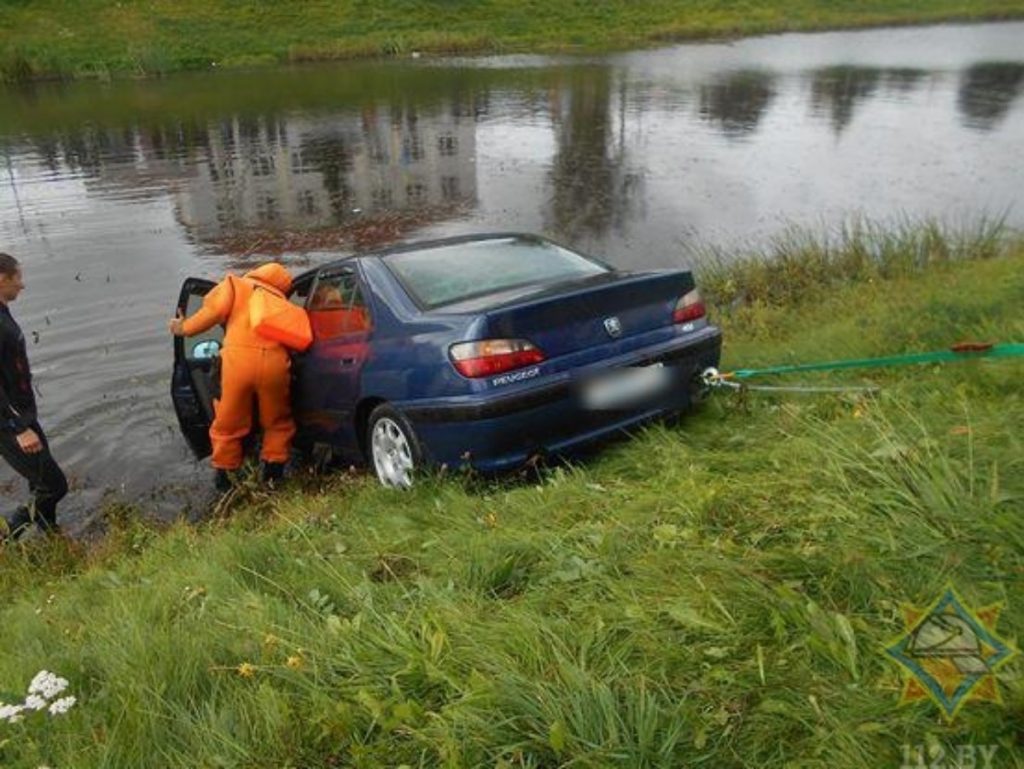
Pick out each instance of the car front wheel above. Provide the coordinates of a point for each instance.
(394, 448)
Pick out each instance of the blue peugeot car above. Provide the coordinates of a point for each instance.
(483, 350)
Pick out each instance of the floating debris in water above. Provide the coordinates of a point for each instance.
(366, 232)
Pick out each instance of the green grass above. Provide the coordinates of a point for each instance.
(714, 593)
(99, 38)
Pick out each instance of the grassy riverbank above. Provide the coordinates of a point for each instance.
(99, 38)
(715, 593)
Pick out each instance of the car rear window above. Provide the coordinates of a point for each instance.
(451, 273)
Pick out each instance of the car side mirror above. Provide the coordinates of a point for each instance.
(206, 350)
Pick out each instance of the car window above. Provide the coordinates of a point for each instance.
(197, 346)
(337, 307)
(300, 291)
(450, 273)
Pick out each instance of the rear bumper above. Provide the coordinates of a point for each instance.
(493, 432)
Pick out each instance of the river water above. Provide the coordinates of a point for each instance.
(112, 193)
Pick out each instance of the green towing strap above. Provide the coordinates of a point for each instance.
(965, 351)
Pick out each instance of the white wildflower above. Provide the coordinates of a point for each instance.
(36, 687)
(62, 705)
(57, 685)
(44, 687)
(47, 684)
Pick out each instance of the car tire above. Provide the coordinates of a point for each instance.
(392, 447)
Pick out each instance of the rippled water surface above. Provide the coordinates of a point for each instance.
(110, 194)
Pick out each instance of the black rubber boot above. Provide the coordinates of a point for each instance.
(273, 473)
(223, 481)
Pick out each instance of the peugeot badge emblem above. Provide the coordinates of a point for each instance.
(613, 327)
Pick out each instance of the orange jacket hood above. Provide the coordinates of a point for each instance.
(273, 274)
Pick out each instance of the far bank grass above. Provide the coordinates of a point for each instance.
(714, 593)
(99, 38)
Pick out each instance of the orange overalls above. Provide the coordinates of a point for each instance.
(252, 365)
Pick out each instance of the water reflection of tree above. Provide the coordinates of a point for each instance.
(837, 90)
(903, 79)
(85, 152)
(592, 189)
(93, 152)
(737, 101)
(49, 151)
(986, 92)
(332, 155)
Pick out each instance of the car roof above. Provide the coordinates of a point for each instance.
(419, 245)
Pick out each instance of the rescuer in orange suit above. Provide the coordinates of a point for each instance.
(252, 365)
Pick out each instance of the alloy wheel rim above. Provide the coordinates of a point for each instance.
(392, 455)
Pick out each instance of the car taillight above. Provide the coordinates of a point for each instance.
(689, 307)
(493, 356)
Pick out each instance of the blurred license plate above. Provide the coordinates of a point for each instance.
(625, 388)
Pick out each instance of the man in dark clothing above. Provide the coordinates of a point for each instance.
(22, 442)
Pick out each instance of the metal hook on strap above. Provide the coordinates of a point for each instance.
(711, 378)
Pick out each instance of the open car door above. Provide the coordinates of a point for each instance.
(191, 382)
(329, 374)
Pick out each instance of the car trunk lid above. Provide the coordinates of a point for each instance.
(586, 314)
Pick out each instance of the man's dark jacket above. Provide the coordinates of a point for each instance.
(17, 401)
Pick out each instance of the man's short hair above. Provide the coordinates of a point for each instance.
(8, 265)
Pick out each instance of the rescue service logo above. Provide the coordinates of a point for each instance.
(950, 653)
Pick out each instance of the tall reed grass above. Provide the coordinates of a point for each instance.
(801, 263)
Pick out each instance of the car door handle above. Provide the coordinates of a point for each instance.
(345, 362)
